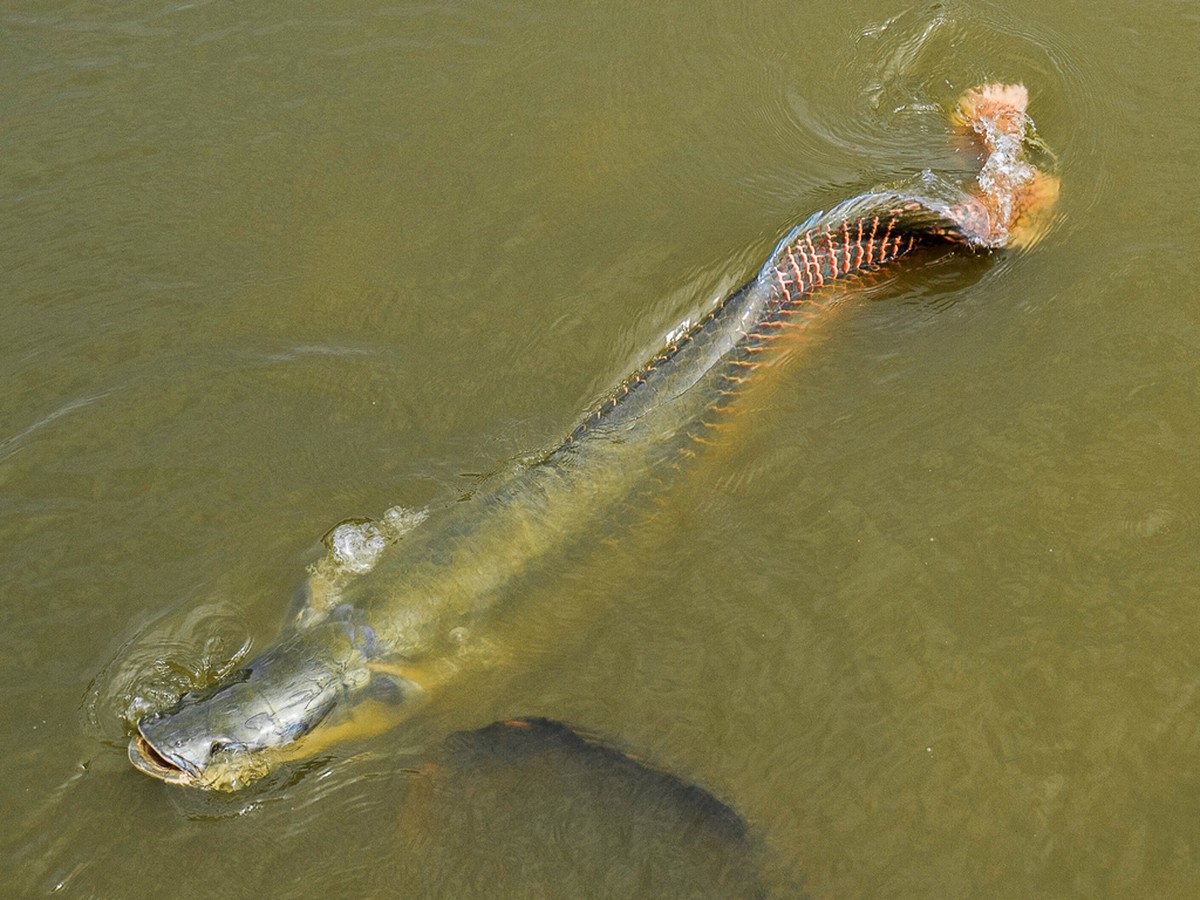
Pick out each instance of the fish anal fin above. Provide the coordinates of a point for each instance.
(994, 108)
(1032, 210)
(400, 670)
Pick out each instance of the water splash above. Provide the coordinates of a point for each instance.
(1014, 197)
(352, 549)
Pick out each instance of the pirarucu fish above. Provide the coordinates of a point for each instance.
(360, 660)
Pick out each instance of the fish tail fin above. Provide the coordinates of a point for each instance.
(1031, 210)
(991, 110)
(1011, 202)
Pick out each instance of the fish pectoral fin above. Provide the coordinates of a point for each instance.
(394, 692)
(368, 718)
(398, 670)
(401, 681)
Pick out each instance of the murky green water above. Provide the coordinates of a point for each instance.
(927, 623)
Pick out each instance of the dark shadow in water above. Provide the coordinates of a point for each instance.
(537, 809)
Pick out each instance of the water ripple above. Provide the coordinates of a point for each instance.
(161, 661)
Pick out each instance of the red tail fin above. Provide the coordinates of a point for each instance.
(1012, 204)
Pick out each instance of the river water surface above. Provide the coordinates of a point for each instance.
(926, 620)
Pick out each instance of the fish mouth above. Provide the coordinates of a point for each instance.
(147, 759)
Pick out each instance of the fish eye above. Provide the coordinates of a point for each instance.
(217, 747)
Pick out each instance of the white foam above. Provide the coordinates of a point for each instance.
(354, 549)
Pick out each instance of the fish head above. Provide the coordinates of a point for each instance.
(233, 734)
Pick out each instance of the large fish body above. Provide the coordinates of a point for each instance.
(361, 660)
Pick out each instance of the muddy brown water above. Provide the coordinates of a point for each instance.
(927, 622)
